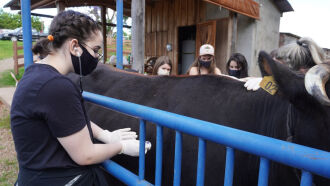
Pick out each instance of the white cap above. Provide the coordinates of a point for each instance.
(206, 50)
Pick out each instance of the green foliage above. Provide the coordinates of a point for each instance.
(6, 48)
(5, 122)
(36, 23)
(12, 21)
(6, 79)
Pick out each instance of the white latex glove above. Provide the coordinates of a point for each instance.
(118, 135)
(131, 147)
(253, 84)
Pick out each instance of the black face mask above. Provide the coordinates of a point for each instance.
(205, 64)
(235, 73)
(88, 62)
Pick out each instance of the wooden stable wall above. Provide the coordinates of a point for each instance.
(163, 18)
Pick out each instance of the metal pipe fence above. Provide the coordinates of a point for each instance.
(309, 160)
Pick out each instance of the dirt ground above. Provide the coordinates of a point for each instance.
(8, 161)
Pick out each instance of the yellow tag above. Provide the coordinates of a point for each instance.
(269, 85)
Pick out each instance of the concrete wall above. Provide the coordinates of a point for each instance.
(266, 32)
(253, 35)
(245, 43)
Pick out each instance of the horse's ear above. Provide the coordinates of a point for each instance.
(264, 59)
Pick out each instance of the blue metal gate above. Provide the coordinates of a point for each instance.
(307, 159)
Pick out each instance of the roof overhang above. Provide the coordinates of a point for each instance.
(283, 5)
(249, 8)
(39, 4)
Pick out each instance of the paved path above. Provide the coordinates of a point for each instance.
(6, 93)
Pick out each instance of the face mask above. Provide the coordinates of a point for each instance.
(205, 64)
(88, 62)
(163, 72)
(235, 73)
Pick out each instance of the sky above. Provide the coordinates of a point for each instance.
(310, 18)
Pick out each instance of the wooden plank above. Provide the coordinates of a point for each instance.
(20, 56)
(148, 19)
(191, 12)
(165, 42)
(20, 48)
(222, 43)
(201, 10)
(175, 51)
(147, 44)
(184, 12)
(153, 18)
(159, 6)
(15, 57)
(153, 45)
(159, 44)
(177, 10)
(165, 15)
(205, 33)
(249, 8)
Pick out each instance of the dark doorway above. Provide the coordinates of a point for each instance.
(187, 48)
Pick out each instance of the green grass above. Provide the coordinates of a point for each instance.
(9, 177)
(5, 122)
(6, 48)
(6, 79)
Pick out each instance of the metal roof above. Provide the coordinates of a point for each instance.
(283, 5)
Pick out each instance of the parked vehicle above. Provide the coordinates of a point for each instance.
(18, 34)
(4, 34)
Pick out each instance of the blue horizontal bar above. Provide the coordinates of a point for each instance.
(301, 157)
(123, 174)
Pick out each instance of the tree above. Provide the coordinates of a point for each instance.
(12, 21)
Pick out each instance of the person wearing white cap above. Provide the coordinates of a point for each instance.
(205, 63)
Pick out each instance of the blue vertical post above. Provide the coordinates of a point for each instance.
(177, 158)
(229, 174)
(119, 50)
(201, 162)
(159, 155)
(142, 148)
(263, 172)
(306, 178)
(27, 33)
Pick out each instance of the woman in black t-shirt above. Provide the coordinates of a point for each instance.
(52, 133)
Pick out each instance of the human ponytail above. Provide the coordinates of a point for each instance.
(42, 48)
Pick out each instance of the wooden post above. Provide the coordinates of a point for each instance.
(60, 6)
(234, 32)
(15, 57)
(104, 32)
(138, 29)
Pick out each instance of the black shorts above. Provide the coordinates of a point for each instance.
(81, 176)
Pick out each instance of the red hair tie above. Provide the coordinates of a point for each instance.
(50, 38)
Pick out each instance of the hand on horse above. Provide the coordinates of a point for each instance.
(118, 135)
(253, 84)
(131, 147)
